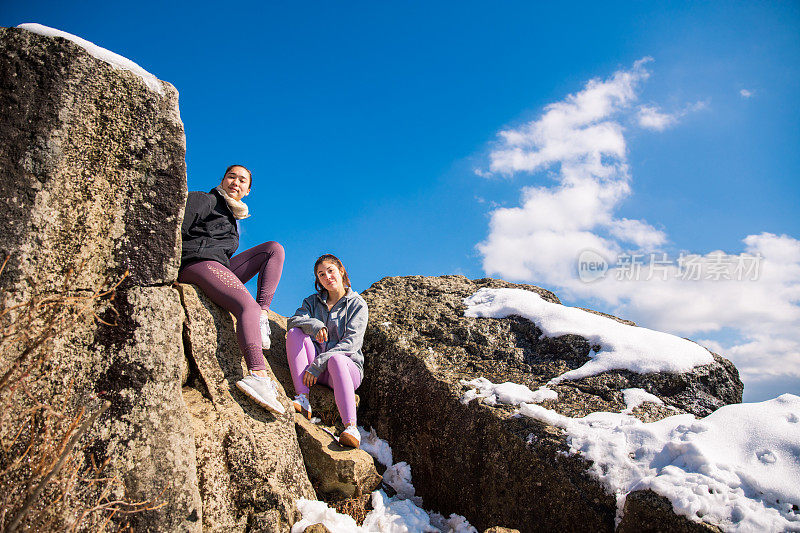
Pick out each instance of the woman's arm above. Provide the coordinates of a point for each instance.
(350, 342)
(304, 319)
(198, 207)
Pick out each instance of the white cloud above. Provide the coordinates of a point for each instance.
(579, 137)
(575, 132)
(650, 117)
(745, 93)
(640, 233)
(697, 106)
(580, 141)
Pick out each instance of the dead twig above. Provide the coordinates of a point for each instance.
(62, 459)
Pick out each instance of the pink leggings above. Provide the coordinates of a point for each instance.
(225, 287)
(342, 374)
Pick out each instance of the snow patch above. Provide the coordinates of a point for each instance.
(455, 523)
(636, 397)
(396, 515)
(398, 476)
(115, 60)
(739, 467)
(317, 512)
(507, 393)
(402, 513)
(623, 347)
(376, 447)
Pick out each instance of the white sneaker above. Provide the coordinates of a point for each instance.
(302, 405)
(263, 323)
(350, 437)
(262, 391)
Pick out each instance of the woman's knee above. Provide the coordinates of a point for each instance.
(250, 309)
(295, 335)
(275, 249)
(338, 364)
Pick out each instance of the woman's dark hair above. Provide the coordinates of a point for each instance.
(332, 259)
(244, 167)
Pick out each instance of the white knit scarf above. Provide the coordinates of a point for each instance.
(237, 207)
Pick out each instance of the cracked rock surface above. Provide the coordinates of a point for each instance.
(250, 468)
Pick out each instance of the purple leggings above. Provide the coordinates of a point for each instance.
(341, 375)
(226, 288)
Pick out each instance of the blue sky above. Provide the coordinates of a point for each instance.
(364, 124)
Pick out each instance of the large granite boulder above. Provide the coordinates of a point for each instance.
(483, 462)
(93, 186)
(340, 472)
(87, 153)
(93, 168)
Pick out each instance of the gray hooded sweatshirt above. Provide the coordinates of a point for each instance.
(346, 323)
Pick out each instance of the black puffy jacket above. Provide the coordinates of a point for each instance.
(209, 229)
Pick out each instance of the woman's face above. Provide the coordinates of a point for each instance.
(236, 183)
(330, 276)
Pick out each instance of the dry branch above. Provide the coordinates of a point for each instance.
(46, 474)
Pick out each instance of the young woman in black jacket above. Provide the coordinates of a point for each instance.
(210, 238)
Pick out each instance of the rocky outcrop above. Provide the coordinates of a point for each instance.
(93, 187)
(647, 512)
(83, 148)
(340, 472)
(317, 528)
(481, 461)
(250, 468)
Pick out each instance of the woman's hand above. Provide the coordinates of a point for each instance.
(322, 335)
(309, 379)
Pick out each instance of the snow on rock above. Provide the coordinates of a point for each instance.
(627, 347)
(455, 523)
(636, 397)
(396, 515)
(317, 512)
(401, 513)
(376, 447)
(738, 468)
(398, 476)
(115, 60)
(388, 515)
(507, 393)
(405, 503)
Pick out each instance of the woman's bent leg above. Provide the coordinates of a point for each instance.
(344, 378)
(266, 260)
(227, 291)
(300, 352)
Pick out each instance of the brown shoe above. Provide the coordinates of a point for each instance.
(350, 437)
(302, 405)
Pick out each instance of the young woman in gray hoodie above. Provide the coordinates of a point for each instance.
(324, 341)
